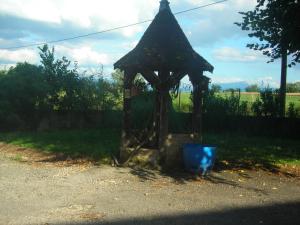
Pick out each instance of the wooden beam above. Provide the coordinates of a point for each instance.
(198, 89)
(163, 99)
(151, 77)
(175, 78)
(125, 141)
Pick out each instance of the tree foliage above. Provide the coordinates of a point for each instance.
(55, 85)
(70, 91)
(293, 87)
(276, 24)
(267, 104)
(252, 88)
(216, 88)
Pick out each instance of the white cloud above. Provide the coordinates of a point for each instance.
(214, 23)
(267, 81)
(31, 9)
(96, 14)
(21, 55)
(220, 80)
(6, 66)
(206, 25)
(229, 54)
(83, 55)
(130, 45)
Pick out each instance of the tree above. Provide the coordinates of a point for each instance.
(275, 23)
(2, 73)
(252, 88)
(64, 82)
(118, 79)
(216, 88)
(293, 87)
(22, 92)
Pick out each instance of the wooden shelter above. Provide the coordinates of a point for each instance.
(163, 57)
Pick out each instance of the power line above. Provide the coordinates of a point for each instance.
(108, 30)
(200, 7)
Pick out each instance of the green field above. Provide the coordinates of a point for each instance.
(98, 145)
(94, 144)
(186, 104)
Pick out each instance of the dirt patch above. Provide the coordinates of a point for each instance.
(39, 158)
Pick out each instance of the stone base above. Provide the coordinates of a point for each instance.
(145, 158)
(173, 149)
(171, 153)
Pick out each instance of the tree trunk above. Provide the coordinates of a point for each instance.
(282, 97)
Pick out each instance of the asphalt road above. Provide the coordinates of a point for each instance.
(45, 193)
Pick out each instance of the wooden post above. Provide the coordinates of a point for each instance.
(197, 125)
(125, 141)
(199, 115)
(163, 103)
(164, 121)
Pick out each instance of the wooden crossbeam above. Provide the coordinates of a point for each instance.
(175, 78)
(151, 77)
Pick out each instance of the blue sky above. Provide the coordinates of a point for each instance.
(210, 30)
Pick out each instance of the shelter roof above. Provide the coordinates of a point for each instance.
(164, 46)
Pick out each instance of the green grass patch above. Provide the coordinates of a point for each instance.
(249, 151)
(96, 144)
(99, 144)
(17, 158)
(184, 104)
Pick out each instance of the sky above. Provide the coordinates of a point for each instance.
(211, 31)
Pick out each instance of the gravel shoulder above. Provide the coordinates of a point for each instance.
(47, 192)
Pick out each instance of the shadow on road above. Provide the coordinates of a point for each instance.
(280, 214)
(181, 177)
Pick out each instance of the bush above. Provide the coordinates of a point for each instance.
(252, 88)
(292, 111)
(293, 87)
(27, 90)
(22, 90)
(216, 105)
(267, 104)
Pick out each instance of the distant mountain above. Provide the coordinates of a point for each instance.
(185, 87)
(234, 85)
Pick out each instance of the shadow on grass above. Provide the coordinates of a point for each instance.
(237, 153)
(278, 214)
(234, 151)
(92, 144)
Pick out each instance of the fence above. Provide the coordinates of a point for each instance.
(179, 123)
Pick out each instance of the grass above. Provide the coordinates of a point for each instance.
(250, 151)
(99, 144)
(253, 96)
(17, 158)
(186, 104)
(95, 144)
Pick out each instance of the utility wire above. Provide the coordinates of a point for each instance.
(108, 30)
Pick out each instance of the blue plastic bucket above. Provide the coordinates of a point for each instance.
(199, 158)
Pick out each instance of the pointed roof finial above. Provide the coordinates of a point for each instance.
(164, 5)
